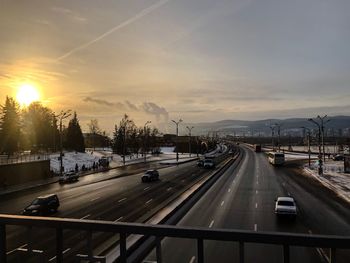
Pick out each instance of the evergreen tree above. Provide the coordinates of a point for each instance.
(9, 127)
(75, 138)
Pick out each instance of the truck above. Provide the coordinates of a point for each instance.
(257, 148)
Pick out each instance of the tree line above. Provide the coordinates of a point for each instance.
(37, 128)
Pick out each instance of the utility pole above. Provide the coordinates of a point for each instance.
(144, 141)
(272, 135)
(63, 115)
(320, 161)
(177, 135)
(124, 144)
(189, 140)
(278, 125)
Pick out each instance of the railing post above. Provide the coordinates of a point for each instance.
(332, 255)
(89, 245)
(159, 250)
(59, 245)
(30, 242)
(122, 245)
(241, 252)
(200, 251)
(285, 253)
(3, 243)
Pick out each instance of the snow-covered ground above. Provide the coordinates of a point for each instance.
(70, 159)
(333, 176)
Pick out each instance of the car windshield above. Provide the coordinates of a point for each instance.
(38, 201)
(285, 203)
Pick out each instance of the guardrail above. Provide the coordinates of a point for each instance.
(25, 158)
(160, 231)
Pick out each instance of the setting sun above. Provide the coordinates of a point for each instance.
(27, 94)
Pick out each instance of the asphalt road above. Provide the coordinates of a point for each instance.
(120, 198)
(243, 198)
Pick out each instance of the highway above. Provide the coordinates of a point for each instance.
(120, 198)
(243, 198)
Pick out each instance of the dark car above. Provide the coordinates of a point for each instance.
(150, 175)
(338, 157)
(42, 205)
(68, 178)
(200, 163)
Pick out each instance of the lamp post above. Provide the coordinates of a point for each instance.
(63, 115)
(272, 135)
(189, 140)
(322, 130)
(177, 134)
(144, 141)
(308, 143)
(278, 125)
(320, 170)
(124, 144)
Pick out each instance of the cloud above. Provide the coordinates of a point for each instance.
(154, 109)
(69, 13)
(127, 22)
(150, 108)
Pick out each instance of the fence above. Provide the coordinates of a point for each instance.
(22, 158)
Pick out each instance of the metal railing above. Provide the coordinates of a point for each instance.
(123, 230)
(23, 158)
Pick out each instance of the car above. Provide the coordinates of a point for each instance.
(150, 175)
(42, 205)
(285, 206)
(338, 157)
(200, 163)
(68, 178)
(209, 163)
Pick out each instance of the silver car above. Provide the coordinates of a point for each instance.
(285, 206)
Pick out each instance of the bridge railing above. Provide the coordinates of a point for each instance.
(286, 240)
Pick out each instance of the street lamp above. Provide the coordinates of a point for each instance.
(63, 115)
(177, 134)
(278, 125)
(308, 143)
(189, 140)
(322, 129)
(144, 141)
(124, 144)
(272, 135)
(320, 171)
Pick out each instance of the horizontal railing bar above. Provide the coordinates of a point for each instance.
(306, 240)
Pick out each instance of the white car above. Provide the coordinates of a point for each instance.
(285, 206)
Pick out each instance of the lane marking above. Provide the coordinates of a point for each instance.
(211, 223)
(13, 250)
(84, 217)
(169, 189)
(100, 187)
(321, 252)
(229, 190)
(65, 251)
(284, 184)
(121, 200)
(256, 205)
(257, 182)
(192, 259)
(256, 192)
(222, 203)
(255, 227)
(183, 181)
(148, 187)
(120, 218)
(288, 193)
(149, 201)
(94, 199)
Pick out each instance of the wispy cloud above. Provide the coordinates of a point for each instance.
(127, 22)
(69, 13)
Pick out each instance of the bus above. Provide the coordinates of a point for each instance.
(276, 158)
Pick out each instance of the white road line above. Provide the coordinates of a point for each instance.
(149, 201)
(121, 200)
(222, 203)
(146, 188)
(183, 181)
(288, 193)
(255, 227)
(53, 258)
(99, 187)
(94, 199)
(10, 252)
(120, 218)
(192, 259)
(211, 223)
(169, 188)
(256, 205)
(229, 190)
(284, 184)
(84, 217)
(257, 182)
(256, 192)
(320, 251)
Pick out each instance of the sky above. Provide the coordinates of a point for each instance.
(198, 60)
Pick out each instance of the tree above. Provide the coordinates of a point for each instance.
(9, 127)
(121, 135)
(40, 127)
(75, 138)
(94, 130)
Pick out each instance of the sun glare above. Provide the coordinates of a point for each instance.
(27, 94)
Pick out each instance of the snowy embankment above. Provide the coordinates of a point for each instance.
(71, 159)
